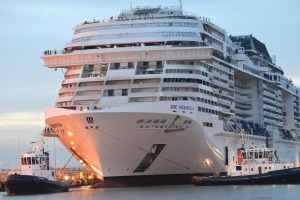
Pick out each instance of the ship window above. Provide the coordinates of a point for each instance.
(28, 160)
(37, 160)
(266, 154)
(140, 121)
(117, 65)
(130, 65)
(163, 121)
(110, 93)
(244, 155)
(260, 154)
(251, 155)
(33, 161)
(156, 121)
(238, 168)
(124, 92)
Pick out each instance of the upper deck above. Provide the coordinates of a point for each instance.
(147, 12)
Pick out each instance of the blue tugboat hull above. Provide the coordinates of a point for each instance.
(285, 176)
(16, 184)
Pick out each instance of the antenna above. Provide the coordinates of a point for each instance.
(19, 151)
(181, 9)
(130, 9)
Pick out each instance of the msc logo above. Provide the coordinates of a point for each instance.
(174, 106)
(89, 120)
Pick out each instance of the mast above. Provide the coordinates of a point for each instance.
(19, 152)
(131, 11)
(181, 9)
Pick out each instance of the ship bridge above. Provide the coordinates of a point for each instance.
(251, 44)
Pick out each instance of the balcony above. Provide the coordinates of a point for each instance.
(87, 97)
(221, 67)
(269, 94)
(64, 99)
(226, 102)
(274, 109)
(143, 94)
(82, 57)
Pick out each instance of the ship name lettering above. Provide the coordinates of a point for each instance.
(186, 107)
(181, 107)
(56, 125)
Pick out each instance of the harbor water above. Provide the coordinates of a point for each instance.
(260, 192)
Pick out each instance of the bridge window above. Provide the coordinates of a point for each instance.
(33, 161)
(260, 154)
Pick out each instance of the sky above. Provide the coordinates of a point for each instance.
(32, 26)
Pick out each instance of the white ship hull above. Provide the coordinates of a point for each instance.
(113, 144)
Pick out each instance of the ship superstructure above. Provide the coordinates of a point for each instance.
(155, 91)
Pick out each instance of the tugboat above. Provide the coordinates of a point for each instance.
(254, 166)
(35, 175)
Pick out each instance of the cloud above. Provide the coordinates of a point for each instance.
(25, 118)
(296, 80)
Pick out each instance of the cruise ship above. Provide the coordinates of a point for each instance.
(157, 95)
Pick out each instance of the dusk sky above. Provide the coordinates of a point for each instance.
(30, 27)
